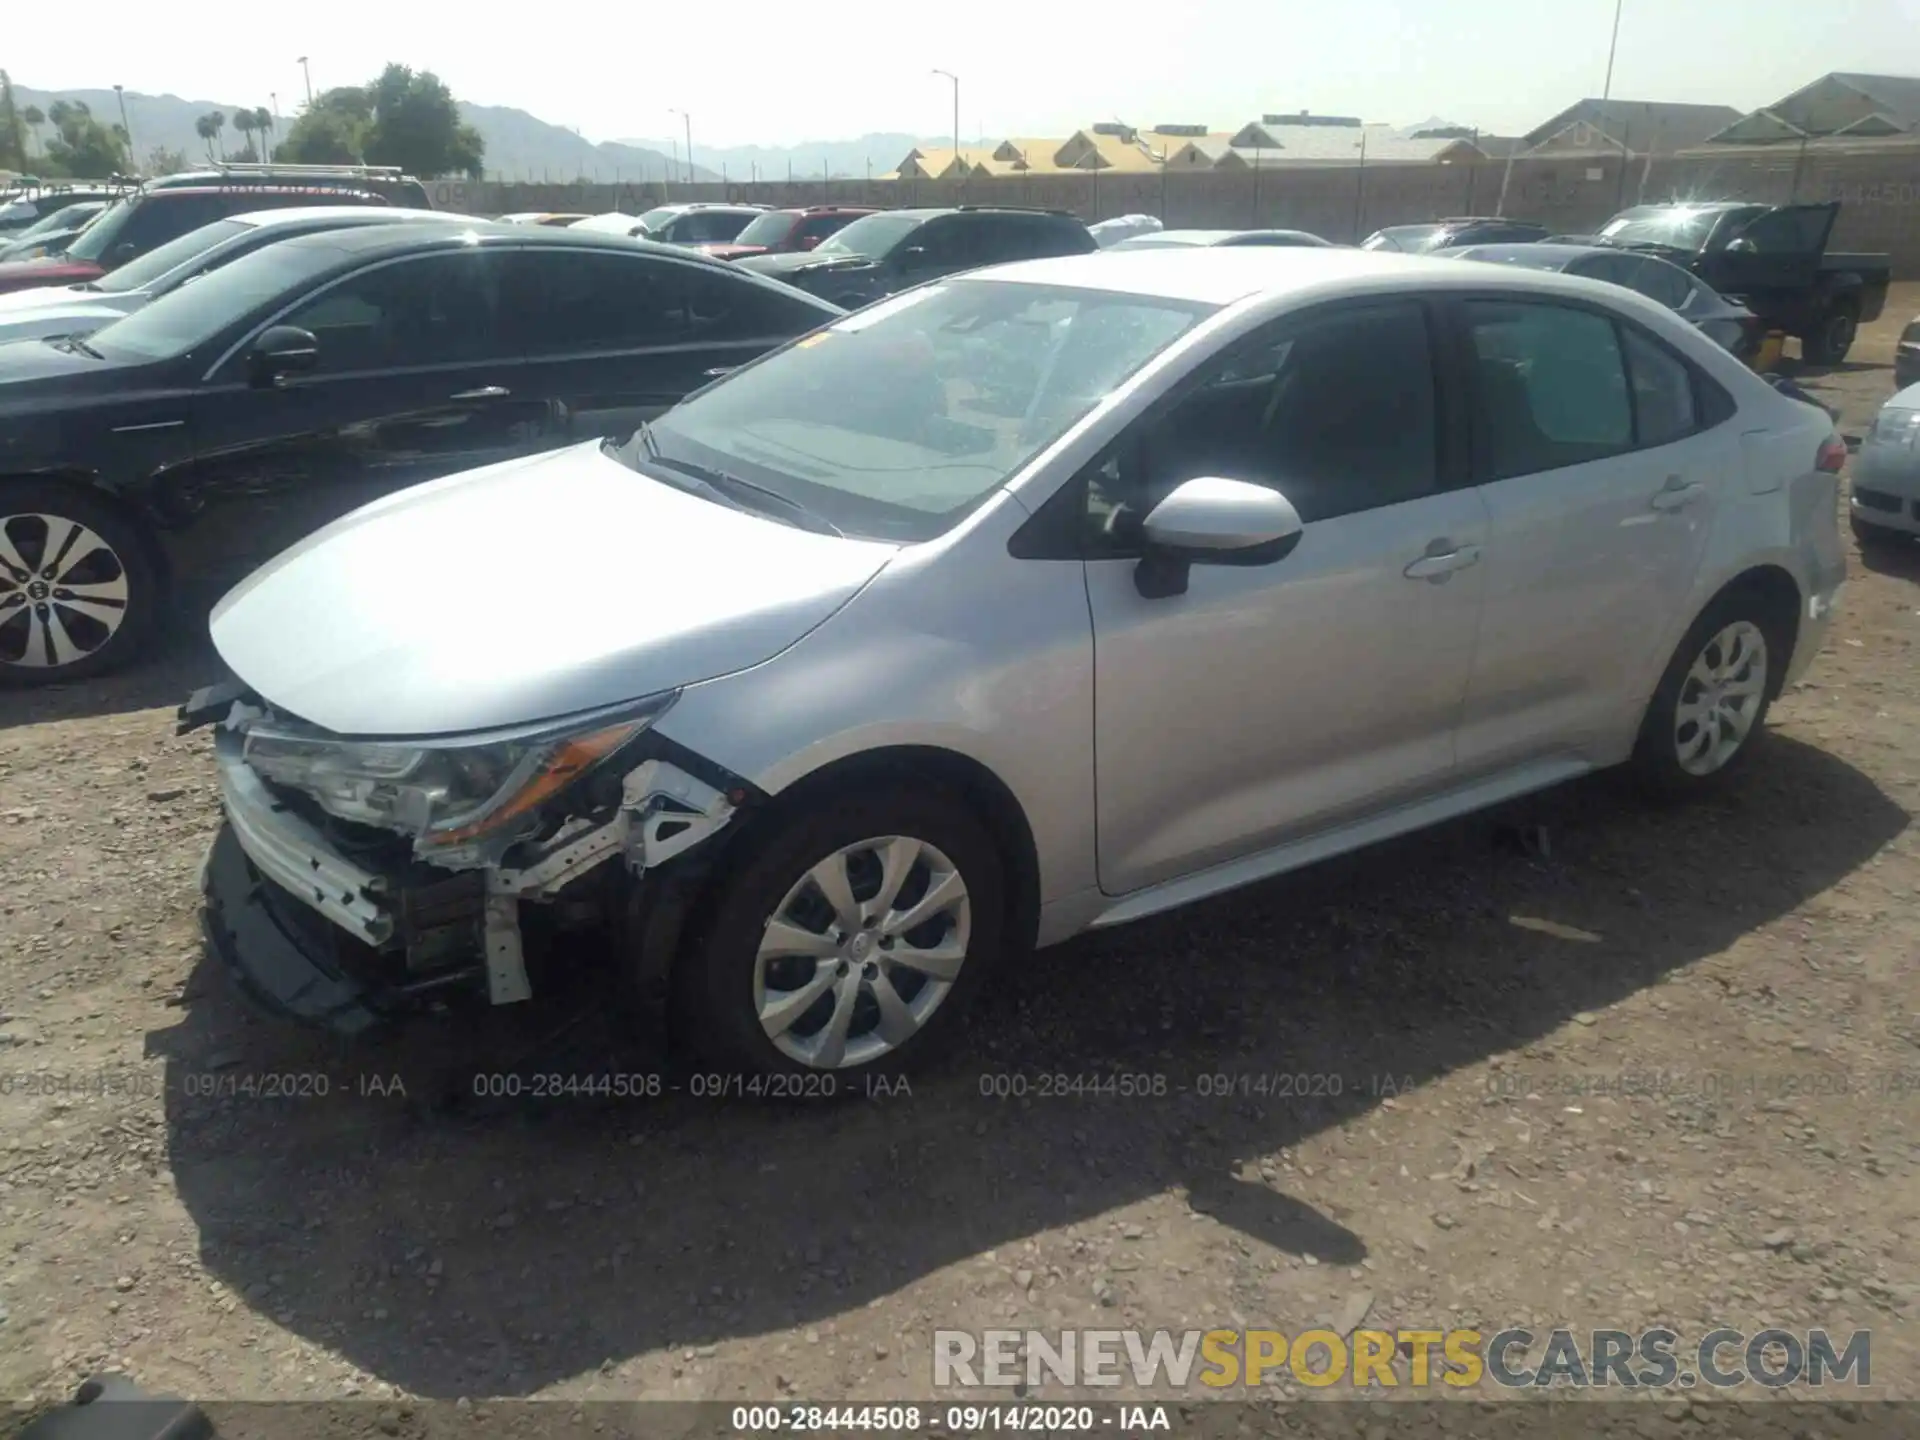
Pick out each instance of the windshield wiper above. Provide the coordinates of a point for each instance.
(728, 489)
(74, 344)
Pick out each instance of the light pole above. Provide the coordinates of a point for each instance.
(956, 113)
(120, 94)
(688, 119)
(304, 70)
(1606, 90)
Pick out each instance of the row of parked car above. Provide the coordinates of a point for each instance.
(763, 683)
(227, 360)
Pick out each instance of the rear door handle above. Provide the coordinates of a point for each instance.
(483, 392)
(1677, 494)
(1438, 567)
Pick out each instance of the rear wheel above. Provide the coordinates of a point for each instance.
(78, 592)
(1829, 344)
(850, 940)
(1709, 709)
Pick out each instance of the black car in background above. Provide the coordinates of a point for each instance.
(1727, 323)
(1459, 230)
(1773, 259)
(895, 249)
(228, 419)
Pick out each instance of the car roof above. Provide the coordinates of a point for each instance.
(1227, 274)
(250, 189)
(360, 241)
(1542, 256)
(295, 214)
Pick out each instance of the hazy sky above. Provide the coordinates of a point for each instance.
(753, 72)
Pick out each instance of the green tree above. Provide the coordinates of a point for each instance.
(404, 118)
(13, 133)
(243, 122)
(82, 147)
(208, 128)
(162, 161)
(264, 126)
(35, 117)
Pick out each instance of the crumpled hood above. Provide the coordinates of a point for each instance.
(522, 591)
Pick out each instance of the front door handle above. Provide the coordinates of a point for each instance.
(1438, 567)
(1677, 494)
(719, 370)
(483, 392)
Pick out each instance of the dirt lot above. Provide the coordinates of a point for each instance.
(1476, 1166)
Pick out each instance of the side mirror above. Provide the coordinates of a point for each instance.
(1742, 247)
(1212, 521)
(912, 257)
(126, 250)
(281, 350)
(806, 242)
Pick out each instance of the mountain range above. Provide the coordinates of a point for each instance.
(874, 153)
(519, 146)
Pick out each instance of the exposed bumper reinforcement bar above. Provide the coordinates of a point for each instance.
(295, 855)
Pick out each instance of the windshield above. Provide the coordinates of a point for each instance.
(103, 232)
(652, 220)
(1405, 237)
(139, 274)
(871, 235)
(768, 229)
(1673, 225)
(193, 314)
(73, 217)
(894, 421)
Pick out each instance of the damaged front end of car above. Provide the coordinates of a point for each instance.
(358, 880)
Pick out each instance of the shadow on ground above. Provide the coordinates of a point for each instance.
(503, 1252)
(182, 659)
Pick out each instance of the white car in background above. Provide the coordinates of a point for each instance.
(81, 309)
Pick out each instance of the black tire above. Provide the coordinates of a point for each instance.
(1874, 537)
(1830, 342)
(715, 1015)
(122, 562)
(1656, 754)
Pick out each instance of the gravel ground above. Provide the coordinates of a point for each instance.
(1466, 1003)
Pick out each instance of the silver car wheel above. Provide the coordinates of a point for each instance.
(1720, 698)
(861, 952)
(63, 591)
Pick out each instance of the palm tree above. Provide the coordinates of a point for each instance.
(243, 122)
(263, 125)
(206, 130)
(35, 118)
(219, 119)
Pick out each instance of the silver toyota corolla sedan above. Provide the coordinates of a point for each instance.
(1023, 603)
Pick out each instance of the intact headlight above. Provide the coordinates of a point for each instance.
(448, 792)
(1894, 426)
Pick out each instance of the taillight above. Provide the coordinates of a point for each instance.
(1833, 455)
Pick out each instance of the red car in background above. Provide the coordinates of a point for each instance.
(782, 232)
(148, 219)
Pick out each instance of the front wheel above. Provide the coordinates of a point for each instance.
(1709, 708)
(850, 939)
(78, 593)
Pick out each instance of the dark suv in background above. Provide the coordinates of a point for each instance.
(389, 181)
(895, 249)
(150, 217)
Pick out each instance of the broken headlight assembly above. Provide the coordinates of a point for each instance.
(448, 794)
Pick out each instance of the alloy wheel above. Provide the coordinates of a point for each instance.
(63, 591)
(861, 951)
(1720, 698)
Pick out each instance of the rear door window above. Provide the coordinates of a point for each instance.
(1550, 387)
(569, 302)
(1668, 284)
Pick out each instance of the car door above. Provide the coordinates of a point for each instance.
(415, 379)
(1269, 702)
(614, 339)
(1599, 461)
(1780, 249)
